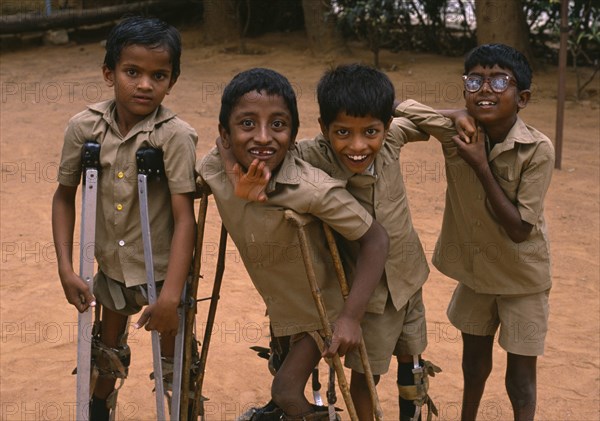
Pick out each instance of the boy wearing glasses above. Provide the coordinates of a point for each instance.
(493, 239)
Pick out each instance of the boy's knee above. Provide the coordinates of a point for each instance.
(521, 390)
(476, 370)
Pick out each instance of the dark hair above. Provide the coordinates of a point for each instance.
(357, 90)
(149, 32)
(258, 79)
(489, 55)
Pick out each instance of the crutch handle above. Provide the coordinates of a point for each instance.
(150, 163)
(90, 157)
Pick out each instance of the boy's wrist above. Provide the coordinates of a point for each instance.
(168, 299)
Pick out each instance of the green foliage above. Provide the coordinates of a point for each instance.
(372, 20)
(443, 26)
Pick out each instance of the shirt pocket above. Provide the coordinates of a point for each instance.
(507, 177)
(394, 184)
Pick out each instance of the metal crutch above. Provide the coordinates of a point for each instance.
(90, 160)
(150, 166)
(339, 269)
(300, 221)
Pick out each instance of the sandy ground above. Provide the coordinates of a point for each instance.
(42, 87)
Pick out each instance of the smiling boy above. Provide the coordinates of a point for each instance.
(258, 123)
(494, 225)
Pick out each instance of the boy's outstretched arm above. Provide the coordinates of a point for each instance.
(507, 213)
(370, 263)
(63, 223)
(162, 315)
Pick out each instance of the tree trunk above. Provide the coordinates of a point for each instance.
(503, 22)
(220, 21)
(321, 30)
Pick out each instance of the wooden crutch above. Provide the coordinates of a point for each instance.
(191, 307)
(197, 407)
(339, 269)
(300, 221)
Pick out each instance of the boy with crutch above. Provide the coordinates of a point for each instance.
(259, 122)
(142, 64)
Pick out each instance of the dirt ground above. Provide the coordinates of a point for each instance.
(42, 87)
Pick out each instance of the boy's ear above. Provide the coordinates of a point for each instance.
(225, 141)
(108, 75)
(524, 97)
(388, 124)
(171, 83)
(323, 129)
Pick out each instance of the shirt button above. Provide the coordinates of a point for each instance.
(121, 243)
(119, 206)
(120, 174)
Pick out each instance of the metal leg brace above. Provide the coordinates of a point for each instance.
(418, 392)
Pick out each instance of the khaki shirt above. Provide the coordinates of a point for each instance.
(383, 194)
(473, 248)
(119, 248)
(268, 243)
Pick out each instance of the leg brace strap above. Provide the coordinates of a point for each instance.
(319, 413)
(418, 391)
(111, 362)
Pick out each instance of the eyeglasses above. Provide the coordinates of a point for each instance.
(500, 83)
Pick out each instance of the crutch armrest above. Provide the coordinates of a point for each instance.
(202, 188)
(299, 219)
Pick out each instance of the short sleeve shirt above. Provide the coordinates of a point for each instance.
(268, 243)
(383, 194)
(473, 248)
(119, 248)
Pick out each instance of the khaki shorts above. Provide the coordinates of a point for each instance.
(402, 332)
(115, 296)
(523, 319)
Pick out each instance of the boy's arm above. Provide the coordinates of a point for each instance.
(429, 120)
(162, 316)
(370, 263)
(63, 223)
(507, 213)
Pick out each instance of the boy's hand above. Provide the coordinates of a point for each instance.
(160, 317)
(77, 292)
(248, 185)
(465, 126)
(346, 336)
(251, 185)
(473, 153)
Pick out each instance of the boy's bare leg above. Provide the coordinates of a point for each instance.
(521, 385)
(476, 366)
(167, 346)
(289, 382)
(359, 390)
